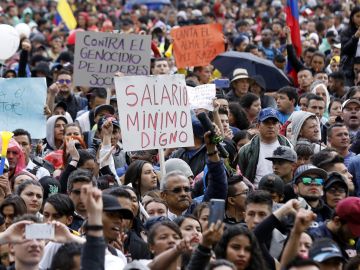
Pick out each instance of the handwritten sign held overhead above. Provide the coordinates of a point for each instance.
(197, 45)
(201, 96)
(22, 102)
(98, 56)
(154, 112)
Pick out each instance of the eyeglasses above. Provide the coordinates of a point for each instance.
(179, 189)
(76, 191)
(334, 190)
(64, 81)
(309, 180)
(245, 192)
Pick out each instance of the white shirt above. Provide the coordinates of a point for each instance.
(264, 166)
(41, 172)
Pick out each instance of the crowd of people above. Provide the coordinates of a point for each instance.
(290, 180)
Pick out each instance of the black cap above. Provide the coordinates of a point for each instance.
(50, 186)
(325, 249)
(272, 183)
(111, 204)
(335, 178)
(104, 107)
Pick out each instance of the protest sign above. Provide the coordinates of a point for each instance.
(154, 112)
(22, 102)
(201, 96)
(98, 56)
(197, 45)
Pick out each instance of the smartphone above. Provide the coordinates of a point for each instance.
(39, 231)
(217, 211)
(222, 83)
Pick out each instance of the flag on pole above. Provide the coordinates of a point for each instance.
(292, 20)
(66, 14)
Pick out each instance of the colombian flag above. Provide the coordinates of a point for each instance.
(66, 14)
(292, 20)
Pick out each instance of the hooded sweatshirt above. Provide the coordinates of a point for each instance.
(298, 119)
(50, 132)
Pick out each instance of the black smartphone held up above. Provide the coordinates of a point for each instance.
(217, 211)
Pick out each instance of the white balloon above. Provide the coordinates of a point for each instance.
(10, 41)
(23, 29)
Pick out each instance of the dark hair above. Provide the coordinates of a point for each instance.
(290, 92)
(310, 50)
(312, 96)
(16, 202)
(242, 134)
(231, 183)
(25, 184)
(154, 230)
(180, 219)
(352, 91)
(256, 259)
(330, 129)
(248, 99)
(155, 200)
(337, 75)
(353, 263)
(259, 197)
(300, 262)
(304, 149)
(250, 47)
(241, 120)
(85, 155)
(351, 29)
(332, 103)
(79, 175)
(20, 132)
(221, 262)
(28, 217)
(97, 92)
(62, 204)
(325, 160)
(199, 208)
(64, 72)
(118, 192)
(64, 257)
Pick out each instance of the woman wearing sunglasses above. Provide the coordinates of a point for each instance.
(309, 186)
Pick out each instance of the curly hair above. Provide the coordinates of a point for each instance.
(256, 259)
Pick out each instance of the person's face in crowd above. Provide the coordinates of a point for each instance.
(256, 89)
(280, 65)
(289, 131)
(178, 193)
(317, 63)
(237, 201)
(204, 74)
(90, 165)
(342, 169)
(134, 202)
(13, 156)
(25, 144)
(156, 209)
(19, 179)
(204, 218)
(255, 51)
(303, 102)
(310, 192)
(74, 195)
(59, 111)
(242, 142)
(116, 136)
(316, 107)
(191, 230)
(50, 214)
(351, 115)
(254, 109)
(149, 177)
(28, 253)
(322, 76)
(305, 79)
(334, 66)
(59, 130)
(165, 238)
(125, 203)
(335, 109)
(307, 57)
(255, 213)
(97, 101)
(72, 131)
(101, 114)
(9, 214)
(302, 160)
(284, 104)
(223, 103)
(321, 92)
(5, 255)
(310, 130)
(113, 227)
(276, 28)
(340, 138)
(242, 46)
(238, 251)
(161, 67)
(283, 168)
(269, 129)
(334, 194)
(33, 198)
(56, 44)
(266, 36)
(334, 85)
(65, 84)
(241, 86)
(225, 122)
(304, 245)
(356, 19)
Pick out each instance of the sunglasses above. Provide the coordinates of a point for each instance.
(179, 189)
(64, 81)
(309, 180)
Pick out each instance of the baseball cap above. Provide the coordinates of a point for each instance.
(268, 113)
(111, 204)
(283, 153)
(104, 107)
(335, 177)
(272, 183)
(348, 101)
(325, 249)
(348, 210)
(309, 169)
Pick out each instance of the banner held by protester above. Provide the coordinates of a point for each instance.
(22, 102)
(155, 112)
(197, 45)
(98, 56)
